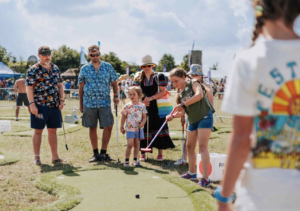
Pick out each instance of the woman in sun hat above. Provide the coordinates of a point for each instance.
(149, 83)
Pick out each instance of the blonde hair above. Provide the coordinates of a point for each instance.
(137, 89)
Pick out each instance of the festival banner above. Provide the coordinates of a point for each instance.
(99, 44)
(209, 75)
(189, 59)
(127, 70)
(82, 56)
(165, 69)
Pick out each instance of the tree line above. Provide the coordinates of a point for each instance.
(65, 57)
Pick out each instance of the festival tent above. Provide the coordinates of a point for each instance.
(6, 72)
(70, 73)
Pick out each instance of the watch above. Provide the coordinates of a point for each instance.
(183, 106)
(116, 95)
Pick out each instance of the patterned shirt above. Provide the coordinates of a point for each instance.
(96, 90)
(134, 115)
(162, 80)
(45, 84)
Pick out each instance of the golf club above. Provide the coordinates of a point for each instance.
(138, 164)
(65, 139)
(116, 107)
(148, 149)
(182, 164)
(147, 131)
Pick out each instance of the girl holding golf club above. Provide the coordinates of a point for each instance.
(263, 96)
(192, 100)
(153, 87)
(134, 113)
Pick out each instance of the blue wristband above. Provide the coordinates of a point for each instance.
(219, 197)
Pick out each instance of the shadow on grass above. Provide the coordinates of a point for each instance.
(65, 168)
(168, 165)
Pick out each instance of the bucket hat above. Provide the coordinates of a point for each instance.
(195, 69)
(147, 60)
(23, 75)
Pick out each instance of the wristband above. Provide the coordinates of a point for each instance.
(116, 95)
(62, 100)
(183, 105)
(31, 103)
(152, 98)
(219, 197)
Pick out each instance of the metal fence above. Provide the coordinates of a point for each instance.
(8, 99)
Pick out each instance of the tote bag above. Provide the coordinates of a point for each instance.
(164, 103)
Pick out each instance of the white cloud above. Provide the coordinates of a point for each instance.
(130, 28)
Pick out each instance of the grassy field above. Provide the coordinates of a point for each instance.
(17, 181)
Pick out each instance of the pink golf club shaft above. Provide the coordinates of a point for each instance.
(159, 130)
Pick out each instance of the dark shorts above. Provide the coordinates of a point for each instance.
(206, 123)
(22, 98)
(91, 116)
(67, 91)
(46, 116)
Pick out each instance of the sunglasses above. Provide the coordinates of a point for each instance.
(46, 54)
(95, 55)
(144, 66)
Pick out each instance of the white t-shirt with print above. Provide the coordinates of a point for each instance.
(134, 113)
(265, 83)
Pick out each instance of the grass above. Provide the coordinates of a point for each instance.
(19, 181)
(9, 158)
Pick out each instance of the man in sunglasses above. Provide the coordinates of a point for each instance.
(94, 80)
(45, 94)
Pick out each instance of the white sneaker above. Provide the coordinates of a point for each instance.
(180, 162)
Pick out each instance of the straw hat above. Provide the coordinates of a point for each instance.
(147, 60)
(67, 80)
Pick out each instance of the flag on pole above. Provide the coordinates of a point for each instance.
(189, 59)
(99, 45)
(209, 75)
(165, 69)
(193, 45)
(82, 56)
(127, 70)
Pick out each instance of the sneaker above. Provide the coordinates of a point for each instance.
(108, 159)
(189, 176)
(135, 163)
(143, 157)
(160, 158)
(94, 158)
(126, 164)
(101, 157)
(180, 162)
(204, 183)
(17, 119)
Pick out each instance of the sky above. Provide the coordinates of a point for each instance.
(131, 28)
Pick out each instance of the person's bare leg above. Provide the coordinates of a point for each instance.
(93, 137)
(17, 111)
(129, 147)
(136, 148)
(36, 141)
(160, 151)
(191, 151)
(52, 140)
(203, 138)
(106, 137)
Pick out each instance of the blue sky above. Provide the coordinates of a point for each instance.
(130, 28)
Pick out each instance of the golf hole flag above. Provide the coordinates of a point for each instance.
(164, 105)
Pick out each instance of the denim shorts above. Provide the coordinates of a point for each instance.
(206, 123)
(132, 134)
(46, 116)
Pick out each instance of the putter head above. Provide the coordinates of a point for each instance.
(138, 165)
(147, 149)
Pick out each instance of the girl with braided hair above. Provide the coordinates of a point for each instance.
(263, 94)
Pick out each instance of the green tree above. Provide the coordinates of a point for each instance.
(168, 60)
(14, 59)
(185, 63)
(65, 58)
(112, 58)
(4, 56)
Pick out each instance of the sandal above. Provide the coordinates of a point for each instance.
(59, 160)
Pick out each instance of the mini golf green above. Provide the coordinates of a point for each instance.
(8, 158)
(116, 190)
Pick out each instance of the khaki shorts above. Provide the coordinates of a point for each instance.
(91, 116)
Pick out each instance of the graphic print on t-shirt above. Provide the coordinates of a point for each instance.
(278, 131)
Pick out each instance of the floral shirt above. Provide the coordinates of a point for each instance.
(96, 90)
(45, 84)
(134, 115)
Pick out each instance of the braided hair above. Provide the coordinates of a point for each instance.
(273, 10)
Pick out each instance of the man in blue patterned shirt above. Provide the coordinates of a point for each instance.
(94, 81)
(45, 93)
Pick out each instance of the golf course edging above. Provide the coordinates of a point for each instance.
(9, 158)
(69, 196)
